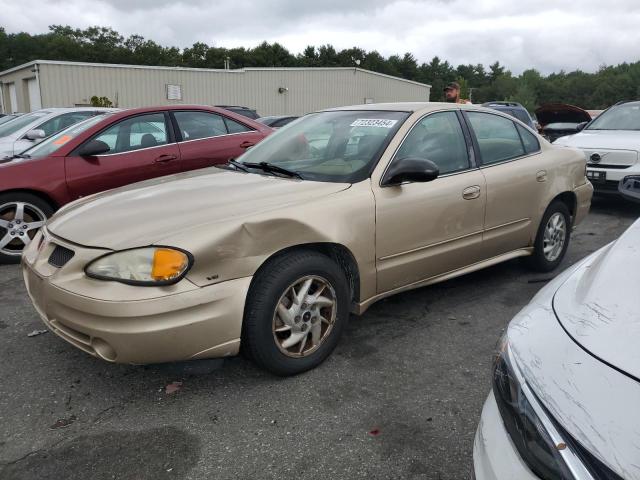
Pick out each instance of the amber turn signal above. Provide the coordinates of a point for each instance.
(168, 264)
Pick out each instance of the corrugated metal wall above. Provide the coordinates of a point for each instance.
(307, 89)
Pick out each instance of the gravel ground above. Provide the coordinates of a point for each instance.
(399, 398)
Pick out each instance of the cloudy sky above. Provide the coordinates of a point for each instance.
(549, 35)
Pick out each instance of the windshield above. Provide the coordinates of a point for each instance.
(7, 118)
(51, 144)
(16, 124)
(621, 117)
(338, 146)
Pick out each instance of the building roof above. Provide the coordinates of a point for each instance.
(217, 70)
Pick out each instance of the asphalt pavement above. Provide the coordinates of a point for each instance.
(399, 398)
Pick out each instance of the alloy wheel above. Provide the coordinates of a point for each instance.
(19, 222)
(555, 235)
(304, 316)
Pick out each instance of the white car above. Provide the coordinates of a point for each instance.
(610, 143)
(24, 131)
(566, 379)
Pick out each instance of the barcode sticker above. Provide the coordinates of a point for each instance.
(374, 122)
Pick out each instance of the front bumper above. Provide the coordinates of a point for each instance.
(171, 324)
(584, 194)
(494, 455)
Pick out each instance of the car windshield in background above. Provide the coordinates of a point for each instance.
(7, 118)
(51, 144)
(337, 146)
(13, 126)
(621, 117)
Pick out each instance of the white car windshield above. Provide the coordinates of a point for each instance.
(16, 124)
(53, 143)
(335, 146)
(621, 117)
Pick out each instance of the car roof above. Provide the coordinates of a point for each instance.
(410, 107)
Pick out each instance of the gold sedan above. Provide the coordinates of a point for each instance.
(326, 216)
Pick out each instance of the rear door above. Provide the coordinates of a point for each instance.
(516, 178)
(141, 147)
(208, 138)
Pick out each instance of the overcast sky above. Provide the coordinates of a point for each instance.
(549, 35)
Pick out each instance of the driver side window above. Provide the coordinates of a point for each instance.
(437, 137)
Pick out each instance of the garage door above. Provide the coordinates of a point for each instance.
(34, 94)
(13, 98)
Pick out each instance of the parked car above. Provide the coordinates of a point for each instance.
(9, 117)
(514, 109)
(27, 130)
(560, 119)
(109, 151)
(276, 249)
(566, 378)
(277, 121)
(244, 111)
(610, 143)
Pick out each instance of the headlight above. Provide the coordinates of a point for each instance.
(152, 266)
(529, 435)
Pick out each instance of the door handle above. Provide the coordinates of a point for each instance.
(165, 158)
(541, 176)
(247, 144)
(470, 193)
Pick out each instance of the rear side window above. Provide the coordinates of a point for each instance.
(236, 127)
(529, 140)
(142, 131)
(197, 124)
(497, 137)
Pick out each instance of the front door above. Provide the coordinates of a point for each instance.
(427, 229)
(141, 147)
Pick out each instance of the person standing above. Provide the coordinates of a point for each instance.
(452, 93)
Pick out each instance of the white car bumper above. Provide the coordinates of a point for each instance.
(494, 456)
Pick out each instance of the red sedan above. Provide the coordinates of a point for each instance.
(109, 151)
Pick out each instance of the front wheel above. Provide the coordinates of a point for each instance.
(21, 216)
(295, 313)
(552, 239)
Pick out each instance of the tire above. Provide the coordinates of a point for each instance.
(272, 288)
(35, 212)
(539, 261)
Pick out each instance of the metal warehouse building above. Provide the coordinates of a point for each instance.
(271, 91)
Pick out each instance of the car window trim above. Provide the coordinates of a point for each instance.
(170, 136)
(477, 146)
(472, 163)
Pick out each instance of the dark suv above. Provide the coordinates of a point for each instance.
(245, 111)
(514, 109)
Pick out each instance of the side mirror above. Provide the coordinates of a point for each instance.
(36, 134)
(410, 169)
(581, 126)
(93, 148)
(629, 188)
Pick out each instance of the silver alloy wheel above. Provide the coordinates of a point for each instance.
(19, 222)
(304, 316)
(555, 234)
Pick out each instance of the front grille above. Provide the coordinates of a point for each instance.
(606, 165)
(60, 256)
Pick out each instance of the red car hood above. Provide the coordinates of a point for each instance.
(561, 113)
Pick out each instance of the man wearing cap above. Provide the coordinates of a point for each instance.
(452, 93)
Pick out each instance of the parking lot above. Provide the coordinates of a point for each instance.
(400, 397)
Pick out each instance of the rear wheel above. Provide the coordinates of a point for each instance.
(296, 311)
(552, 239)
(21, 216)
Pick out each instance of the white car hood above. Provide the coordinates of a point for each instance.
(599, 308)
(603, 139)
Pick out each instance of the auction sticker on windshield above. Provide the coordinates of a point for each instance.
(374, 122)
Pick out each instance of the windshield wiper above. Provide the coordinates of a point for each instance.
(271, 168)
(238, 165)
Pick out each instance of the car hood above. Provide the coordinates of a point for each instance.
(598, 306)
(144, 213)
(561, 113)
(602, 139)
